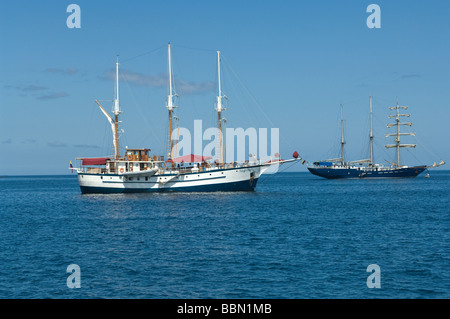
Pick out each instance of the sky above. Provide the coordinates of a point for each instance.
(285, 64)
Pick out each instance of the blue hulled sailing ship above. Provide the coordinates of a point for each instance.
(366, 168)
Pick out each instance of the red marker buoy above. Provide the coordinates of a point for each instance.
(295, 155)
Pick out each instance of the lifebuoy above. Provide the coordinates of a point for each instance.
(122, 170)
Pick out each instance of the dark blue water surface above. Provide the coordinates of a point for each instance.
(296, 236)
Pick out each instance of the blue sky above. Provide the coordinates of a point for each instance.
(286, 64)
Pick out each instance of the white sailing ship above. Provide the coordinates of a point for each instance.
(139, 171)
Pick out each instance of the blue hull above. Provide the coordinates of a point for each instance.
(224, 187)
(334, 173)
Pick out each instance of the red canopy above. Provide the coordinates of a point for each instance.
(95, 161)
(190, 159)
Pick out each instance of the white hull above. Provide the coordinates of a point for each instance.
(228, 179)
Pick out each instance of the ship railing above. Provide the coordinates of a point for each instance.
(209, 166)
(95, 170)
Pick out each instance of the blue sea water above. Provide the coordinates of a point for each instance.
(296, 236)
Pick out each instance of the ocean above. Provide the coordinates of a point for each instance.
(297, 236)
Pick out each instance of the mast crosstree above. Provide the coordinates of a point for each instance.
(397, 134)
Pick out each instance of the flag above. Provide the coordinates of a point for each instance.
(303, 162)
(71, 166)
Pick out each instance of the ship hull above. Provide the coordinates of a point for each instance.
(355, 172)
(240, 179)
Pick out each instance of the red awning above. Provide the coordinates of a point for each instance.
(190, 159)
(95, 161)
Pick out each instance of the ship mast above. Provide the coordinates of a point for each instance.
(116, 111)
(397, 135)
(371, 133)
(170, 105)
(342, 136)
(219, 110)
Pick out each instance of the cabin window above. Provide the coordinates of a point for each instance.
(146, 178)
